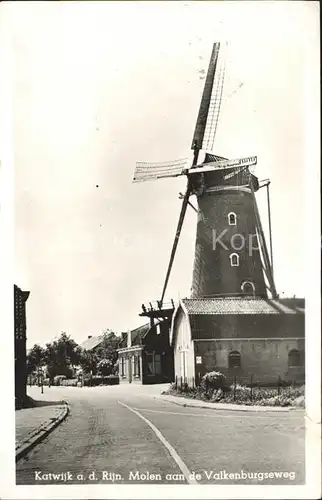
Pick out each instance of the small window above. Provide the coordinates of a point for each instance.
(294, 358)
(158, 329)
(248, 288)
(232, 219)
(153, 364)
(234, 259)
(234, 359)
(157, 364)
(150, 364)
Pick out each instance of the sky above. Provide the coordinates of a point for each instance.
(98, 86)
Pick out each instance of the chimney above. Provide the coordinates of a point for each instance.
(129, 338)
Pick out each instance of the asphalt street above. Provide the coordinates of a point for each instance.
(123, 434)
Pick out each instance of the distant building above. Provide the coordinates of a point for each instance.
(92, 343)
(145, 355)
(240, 337)
(20, 298)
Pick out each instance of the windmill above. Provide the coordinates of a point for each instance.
(237, 262)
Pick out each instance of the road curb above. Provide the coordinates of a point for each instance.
(230, 408)
(35, 437)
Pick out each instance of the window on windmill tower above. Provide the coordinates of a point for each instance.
(232, 219)
(234, 259)
(294, 358)
(234, 359)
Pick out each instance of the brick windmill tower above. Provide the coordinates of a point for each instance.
(231, 256)
(234, 321)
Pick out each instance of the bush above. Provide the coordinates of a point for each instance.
(104, 367)
(281, 400)
(300, 402)
(53, 371)
(98, 380)
(181, 389)
(239, 394)
(296, 392)
(72, 382)
(213, 385)
(58, 379)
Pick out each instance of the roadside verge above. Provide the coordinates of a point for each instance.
(197, 403)
(45, 421)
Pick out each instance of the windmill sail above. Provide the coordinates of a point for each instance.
(215, 103)
(184, 205)
(151, 171)
(207, 120)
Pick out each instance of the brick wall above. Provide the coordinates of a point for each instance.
(212, 272)
(263, 341)
(265, 359)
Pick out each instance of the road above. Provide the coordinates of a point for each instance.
(123, 434)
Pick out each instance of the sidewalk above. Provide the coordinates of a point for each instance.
(34, 424)
(197, 403)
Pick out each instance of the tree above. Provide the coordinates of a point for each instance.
(35, 358)
(107, 352)
(62, 355)
(88, 361)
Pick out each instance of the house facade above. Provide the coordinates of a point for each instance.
(245, 338)
(145, 355)
(20, 327)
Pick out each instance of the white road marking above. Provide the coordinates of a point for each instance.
(221, 415)
(180, 463)
(182, 413)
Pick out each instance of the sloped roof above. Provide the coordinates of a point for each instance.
(239, 317)
(137, 335)
(240, 305)
(91, 343)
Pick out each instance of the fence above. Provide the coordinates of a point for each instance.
(61, 380)
(254, 388)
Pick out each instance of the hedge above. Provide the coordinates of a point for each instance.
(100, 380)
(72, 382)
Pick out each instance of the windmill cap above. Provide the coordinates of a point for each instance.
(211, 157)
